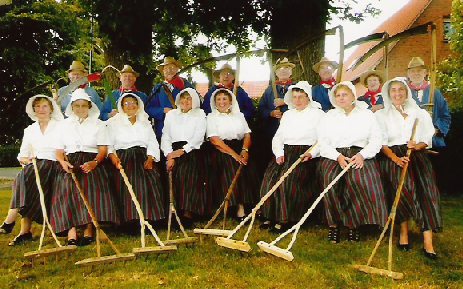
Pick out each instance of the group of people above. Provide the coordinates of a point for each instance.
(202, 142)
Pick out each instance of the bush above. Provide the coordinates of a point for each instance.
(8, 156)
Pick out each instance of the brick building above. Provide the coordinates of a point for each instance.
(415, 13)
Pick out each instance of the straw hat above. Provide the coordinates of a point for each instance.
(128, 69)
(324, 60)
(226, 66)
(169, 60)
(366, 74)
(416, 62)
(282, 63)
(77, 66)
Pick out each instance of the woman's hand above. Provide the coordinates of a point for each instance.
(245, 157)
(116, 161)
(237, 157)
(276, 113)
(411, 144)
(148, 165)
(307, 157)
(400, 161)
(176, 154)
(357, 161)
(280, 160)
(170, 164)
(342, 160)
(88, 166)
(67, 167)
(25, 161)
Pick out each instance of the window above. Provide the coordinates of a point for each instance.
(447, 28)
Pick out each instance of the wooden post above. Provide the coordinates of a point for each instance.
(433, 67)
(341, 54)
(385, 57)
(237, 76)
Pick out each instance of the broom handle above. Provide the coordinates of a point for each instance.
(229, 194)
(230, 190)
(268, 194)
(391, 218)
(306, 215)
(171, 196)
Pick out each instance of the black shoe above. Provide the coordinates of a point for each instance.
(72, 242)
(334, 235)
(404, 247)
(20, 239)
(429, 255)
(266, 225)
(354, 235)
(84, 241)
(187, 223)
(239, 219)
(6, 228)
(279, 228)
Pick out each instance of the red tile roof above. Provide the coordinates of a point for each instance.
(400, 21)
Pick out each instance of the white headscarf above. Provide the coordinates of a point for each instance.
(56, 114)
(234, 105)
(410, 103)
(357, 103)
(307, 88)
(194, 98)
(142, 116)
(78, 94)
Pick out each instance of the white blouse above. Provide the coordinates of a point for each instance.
(227, 126)
(38, 144)
(358, 128)
(82, 137)
(397, 131)
(189, 127)
(123, 135)
(297, 128)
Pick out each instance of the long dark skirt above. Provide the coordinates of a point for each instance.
(188, 178)
(420, 198)
(68, 209)
(295, 195)
(26, 196)
(146, 186)
(222, 169)
(358, 197)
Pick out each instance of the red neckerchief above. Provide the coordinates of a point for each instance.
(177, 82)
(132, 89)
(84, 86)
(331, 82)
(220, 85)
(372, 95)
(284, 83)
(423, 86)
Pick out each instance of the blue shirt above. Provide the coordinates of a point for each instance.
(110, 100)
(320, 95)
(266, 106)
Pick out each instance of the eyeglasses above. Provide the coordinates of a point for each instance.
(128, 103)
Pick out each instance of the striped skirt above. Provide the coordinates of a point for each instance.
(26, 196)
(295, 195)
(68, 209)
(222, 169)
(358, 197)
(188, 178)
(420, 198)
(146, 186)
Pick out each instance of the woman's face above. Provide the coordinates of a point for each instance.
(81, 108)
(186, 102)
(398, 93)
(43, 110)
(373, 83)
(344, 98)
(222, 102)
(130, 106)
(300, 100)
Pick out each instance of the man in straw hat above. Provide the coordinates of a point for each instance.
(325, 69)
(162, 97)
(128, 77)
(226, 79)
(416, 73)
(75, 72)
(373, 80)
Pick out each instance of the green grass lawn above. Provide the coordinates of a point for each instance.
(317, 263)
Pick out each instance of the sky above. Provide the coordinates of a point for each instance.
(255, 69)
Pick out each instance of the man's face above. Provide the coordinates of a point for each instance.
(75, 75)
(325, 71)
(128, 80)
(170, 70)
(416, 74)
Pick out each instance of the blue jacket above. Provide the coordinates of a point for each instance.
(244, 102)
(368, 100)
(115, 95)
(440, 115)
(65, 99)
(157, 101)
(266, 106)
(320, 94)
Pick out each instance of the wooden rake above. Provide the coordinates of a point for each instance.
(243, 245)
(273, 249)
(172, 211)
(224, 207)
(46, 224)
(390, 221)
(162, 248)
